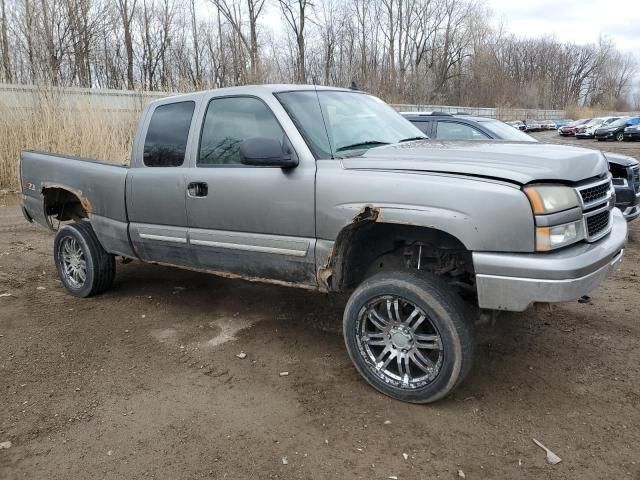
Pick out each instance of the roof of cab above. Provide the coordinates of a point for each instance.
(248, 89)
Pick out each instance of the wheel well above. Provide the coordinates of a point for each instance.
(369, 247)
(64, 205)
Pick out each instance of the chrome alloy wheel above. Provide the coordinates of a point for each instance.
(399, 342)
(73, 262)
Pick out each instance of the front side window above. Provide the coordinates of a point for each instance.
(228, 122)
(167, 134)
(337, 123)
(458, 131)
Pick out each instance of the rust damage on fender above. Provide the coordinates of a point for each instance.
(65, 202)
(366, 215)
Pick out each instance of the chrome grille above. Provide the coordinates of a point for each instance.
(636, 178)
(598, 223)
(597, 203)
(595, 193)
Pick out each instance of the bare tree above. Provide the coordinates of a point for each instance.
(127, 10)
(419, 51)
(232, 11)
(4, 38)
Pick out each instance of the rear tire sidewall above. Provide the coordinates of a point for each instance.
(445, 313)
(87, 287)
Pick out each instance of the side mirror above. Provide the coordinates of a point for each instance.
(265, 152)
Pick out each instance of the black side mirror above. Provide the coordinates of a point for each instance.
(265, 152)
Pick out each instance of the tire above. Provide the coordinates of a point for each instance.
(442, 332)
(76, 249)
(619, 136)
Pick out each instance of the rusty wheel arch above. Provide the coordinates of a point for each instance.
(367, 238)
(63, 203)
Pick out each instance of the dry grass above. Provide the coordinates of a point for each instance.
(55, 125)
(577, 112)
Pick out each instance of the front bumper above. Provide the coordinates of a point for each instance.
(631, 213)
(628, 202)
(605, 135)
(632, 135)
(515, 281)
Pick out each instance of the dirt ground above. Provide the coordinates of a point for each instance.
(144, 382)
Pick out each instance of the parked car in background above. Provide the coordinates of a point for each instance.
(588, 129)
(632, 132)
(562, 122)
(532, 125)
(615, 130)
(569, 130)
(624, 169)
(548, 125)
(517, 124)
(444, 126)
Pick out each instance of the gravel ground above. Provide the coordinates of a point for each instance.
(144, 382)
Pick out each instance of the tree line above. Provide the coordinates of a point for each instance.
(406, 51)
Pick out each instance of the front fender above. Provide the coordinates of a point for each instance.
(483, 214)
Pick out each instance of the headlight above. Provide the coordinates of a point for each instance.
(546, 199)
(550, 238)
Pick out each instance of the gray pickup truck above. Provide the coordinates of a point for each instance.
(332, 190)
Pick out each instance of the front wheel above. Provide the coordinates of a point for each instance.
(409, 336)
(84, 267)
(619, 136)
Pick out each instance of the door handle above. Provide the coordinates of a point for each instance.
(198, 189)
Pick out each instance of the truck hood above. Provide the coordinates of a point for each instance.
(520, 162)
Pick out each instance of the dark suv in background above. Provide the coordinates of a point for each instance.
(444, 126)
(615, 130)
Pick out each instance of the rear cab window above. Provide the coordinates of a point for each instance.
(166, 140)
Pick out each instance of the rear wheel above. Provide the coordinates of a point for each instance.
(409, 335)
(84, 267)
(619, 136)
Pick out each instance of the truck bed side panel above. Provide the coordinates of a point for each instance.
(100, 186)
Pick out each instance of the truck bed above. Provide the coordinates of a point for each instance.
(99, 186)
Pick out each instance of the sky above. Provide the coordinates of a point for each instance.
(579, 21)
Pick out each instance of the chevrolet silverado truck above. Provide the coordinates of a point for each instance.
(332, 190)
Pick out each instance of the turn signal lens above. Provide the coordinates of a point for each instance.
(550, 238)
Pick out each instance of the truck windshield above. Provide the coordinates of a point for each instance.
(338, 123)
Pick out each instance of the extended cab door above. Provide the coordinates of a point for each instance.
(156, 204)
(256, 222)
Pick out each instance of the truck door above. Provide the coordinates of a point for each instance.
(257, 222)
(156, 186)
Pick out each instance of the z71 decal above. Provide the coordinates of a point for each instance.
(28, 185)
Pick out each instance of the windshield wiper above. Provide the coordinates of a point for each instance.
(410, 139)
(362, 144)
